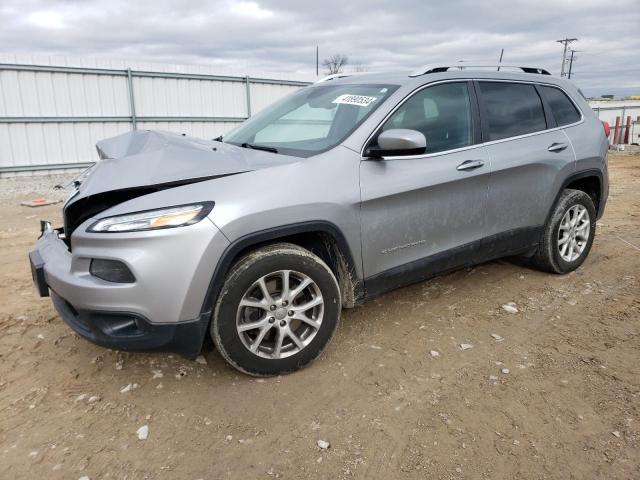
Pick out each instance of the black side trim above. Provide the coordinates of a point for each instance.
(548, 114)
(511, 242)
(475, 112)
(225, 262)
(592, 172)
(379, 153)
(484, 116)
(490, 248)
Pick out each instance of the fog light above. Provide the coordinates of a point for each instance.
(111, 271)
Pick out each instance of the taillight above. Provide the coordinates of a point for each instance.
(607, 129)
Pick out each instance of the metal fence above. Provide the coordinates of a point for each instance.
(623, 113)
(51, 116)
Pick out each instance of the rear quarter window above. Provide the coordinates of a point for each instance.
(511, 109)
(562, 108)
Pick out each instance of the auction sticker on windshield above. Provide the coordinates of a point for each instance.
(359, 100)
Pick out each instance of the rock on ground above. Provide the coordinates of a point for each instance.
(323, 444)
(510, 307)
(143, 432)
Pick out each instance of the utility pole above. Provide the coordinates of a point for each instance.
(566, 42)
(317, 60)
(500, 61)
(571, 59)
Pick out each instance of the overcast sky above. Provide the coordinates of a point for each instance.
(281, 35)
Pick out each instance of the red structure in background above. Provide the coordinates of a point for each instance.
(627, 130)
(616, 131)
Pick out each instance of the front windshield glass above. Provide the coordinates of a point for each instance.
(312, 119)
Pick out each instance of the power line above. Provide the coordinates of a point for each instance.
(566, 42)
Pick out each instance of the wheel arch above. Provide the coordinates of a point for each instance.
(589, 181)
(323, 238)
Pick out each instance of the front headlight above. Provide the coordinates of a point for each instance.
(153, 219)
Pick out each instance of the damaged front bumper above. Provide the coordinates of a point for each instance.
(162, 310)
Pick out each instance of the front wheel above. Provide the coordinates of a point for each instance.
(279, 307)
(569, 233)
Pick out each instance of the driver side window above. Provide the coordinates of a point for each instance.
(442, 113)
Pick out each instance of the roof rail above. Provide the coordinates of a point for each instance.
(462, 66)
(338, 75)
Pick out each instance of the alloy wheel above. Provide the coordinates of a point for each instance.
(573, 233)
(280, 314)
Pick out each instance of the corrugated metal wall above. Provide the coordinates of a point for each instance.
(53, 112)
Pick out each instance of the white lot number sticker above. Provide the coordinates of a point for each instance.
(359, 100)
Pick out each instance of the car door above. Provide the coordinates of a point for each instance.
(425, 213)
(527, 154)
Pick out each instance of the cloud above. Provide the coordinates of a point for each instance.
(281, 35)
(46, 19)
(250, 9)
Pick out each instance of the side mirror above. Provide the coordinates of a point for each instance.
(399, 141)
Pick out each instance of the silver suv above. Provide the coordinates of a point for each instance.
(341, 191)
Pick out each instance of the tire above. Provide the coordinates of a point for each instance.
(247, 335)
(549, 256)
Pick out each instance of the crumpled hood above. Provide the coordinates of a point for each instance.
(142, 162)
(146, 158)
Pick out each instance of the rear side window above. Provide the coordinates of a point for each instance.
(563, 109)
(512, 109)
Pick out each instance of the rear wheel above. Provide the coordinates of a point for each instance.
(568, 235)
(278, 309)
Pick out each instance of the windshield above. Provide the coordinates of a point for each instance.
(311, 120)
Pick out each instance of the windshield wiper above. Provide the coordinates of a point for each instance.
(259, 147)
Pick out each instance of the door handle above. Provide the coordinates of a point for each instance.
(470, 165)
(557, 147)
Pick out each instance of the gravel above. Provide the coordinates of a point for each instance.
(37, 186)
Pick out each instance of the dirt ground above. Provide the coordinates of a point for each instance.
(569, 406)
